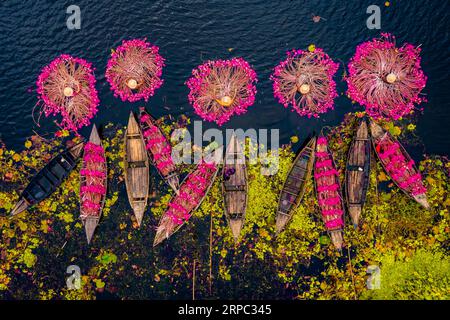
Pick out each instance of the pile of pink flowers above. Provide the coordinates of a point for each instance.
(158, 146)
(221, 88)
(67, 86)
(94, 177)
(139, 61)
(398, 168)
(305, 81)
(385, 79)
(327, 186)
(191, 192)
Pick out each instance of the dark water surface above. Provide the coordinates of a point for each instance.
(32, 33)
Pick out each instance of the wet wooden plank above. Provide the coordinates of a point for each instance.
(137, 179)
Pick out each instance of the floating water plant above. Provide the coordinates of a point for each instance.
(67, 87)
(385, 79)
(304, 81)
(222, 88)
(134, 70)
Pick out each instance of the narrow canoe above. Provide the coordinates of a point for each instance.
(328, 190)
(294, 186)
(192, 192)
(357, 173)
(159, 149)
(398, 164)
(46, 181)
(235, 186)
(137, 169)
(93, 183)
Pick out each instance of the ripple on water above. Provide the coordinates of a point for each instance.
(190, 32)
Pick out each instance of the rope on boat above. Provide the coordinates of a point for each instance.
(193, 281)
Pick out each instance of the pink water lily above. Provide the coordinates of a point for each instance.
(93, 174)
(328, 192)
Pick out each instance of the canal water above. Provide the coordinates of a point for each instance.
(32, 33)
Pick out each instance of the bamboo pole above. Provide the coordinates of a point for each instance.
(193, 282)
(210, 254)
(351, 271)
(373, 161)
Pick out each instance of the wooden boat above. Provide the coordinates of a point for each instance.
(328, 190)
(46, 181)
(93, 183)
(357, 173)
(191, 194)
(137, 170)
(159, 149)
(235, 186)
(295, 184)
(398, 164)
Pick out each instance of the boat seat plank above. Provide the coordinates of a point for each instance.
(136, 164)
(64, 163)
(45, 183)
(50, 176)
(58, 171)
(235, 188)
(68, 157)
(133, 136)
(355, 168)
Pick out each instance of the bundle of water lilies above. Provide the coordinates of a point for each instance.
(67, 87)
(134, 70)
(385, 79)
(305, 81)
(221, 88)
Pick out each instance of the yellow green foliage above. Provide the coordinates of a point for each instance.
(424, 275)
(405, 241)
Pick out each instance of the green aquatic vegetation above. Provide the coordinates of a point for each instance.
(424, 275)
(396, 234)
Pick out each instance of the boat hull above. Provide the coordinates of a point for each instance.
(49, 178)
(90, 219)
(295, 184)
(357, 173)
(329, 194)
(167, 227)
(388, 151)
(155, 152)
(136, 169)
(235, 187)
